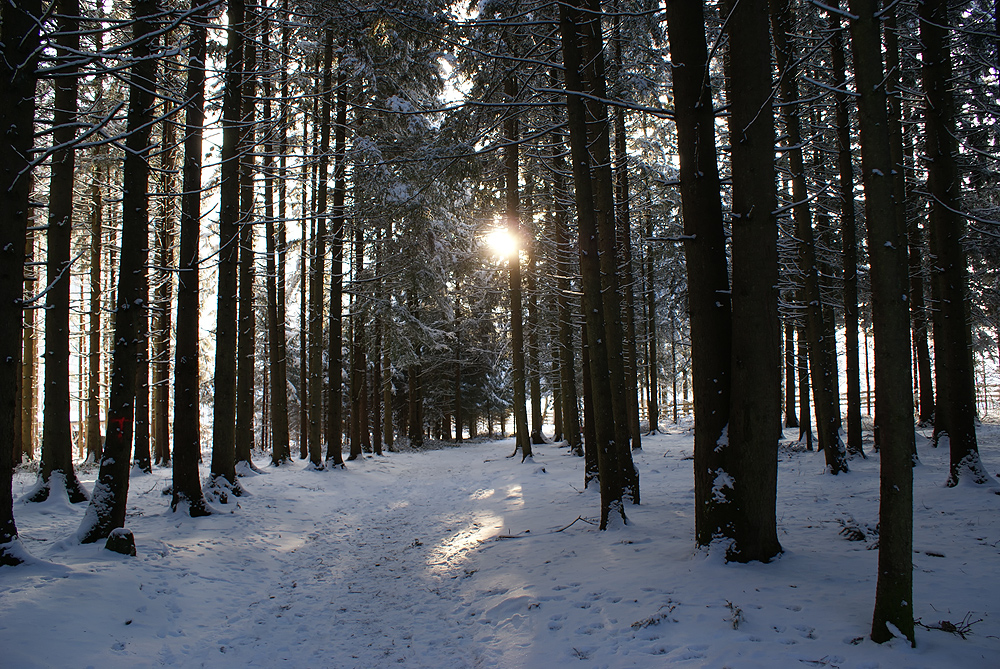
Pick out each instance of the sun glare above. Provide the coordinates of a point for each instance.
(502, 242)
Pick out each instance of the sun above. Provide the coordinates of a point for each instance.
(503, 242)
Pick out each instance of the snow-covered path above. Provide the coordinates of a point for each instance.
(459, 558)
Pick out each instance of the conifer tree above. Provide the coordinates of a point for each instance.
(755, 402)
(223, 468)
(956, 403)
(19, 32)
(57, 447)
(887, 250)
(106, 511)
(186, 489)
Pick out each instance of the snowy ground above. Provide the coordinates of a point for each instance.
(462, 557)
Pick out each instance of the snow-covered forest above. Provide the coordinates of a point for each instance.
(723, 276)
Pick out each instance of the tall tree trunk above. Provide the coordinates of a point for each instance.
(822, 357)
(375, 388)
(918, 309)
(902, 156)
(106, 511)
(673, 368)
(531, 287)
(415, 422)
(29, 369)
(386, 387)
(805, 406)
(903, 160)
(335, 418)
(387, 431)
(246, 335)
(522, 441)
(360, 436)
(164, 236)
(623, 217)
(141, 454)
(897, 142)
(952, 335)
(599, 142)
(848, 233)
(94, 354)
(223, 468)
(316, 276)
(601, 416)
(887, 251)
(280, 450)
(564, 270)
(709, 296)
(458, 367)
(591, 470)
(652, 340)
(187, 397)
(81, 436)
(57, 433)
(19, 32)
(375, 357)
(285, 121)
(281, 227)
(791, 418)
(755, 406)
(304, 245)
(558, 431)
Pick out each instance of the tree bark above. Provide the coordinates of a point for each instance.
(277, 343)
(141, 455)
(531, 286)
(652, 340)
(108, 499)
(57, 433)
(886, 247)
(848, 233)
(360, 435)
(902, 149)
(791, 418)
(415, 422)
(286, 119)
(755, 405)
(335, 388)
(19, 32)
(316, 276)
(458, 367)
(822, 359)
(304, 282)
(709, 295)
(591, 467)
(94, 354)
(387, 428)
(952, 335)
(606, 431)
(623, 217)
(246, 335)
(918, 311)
(599, 142)
(223, 468)
(187, 396)
(164, 236)
(29, 369)
(522, 440)
(564, 270)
